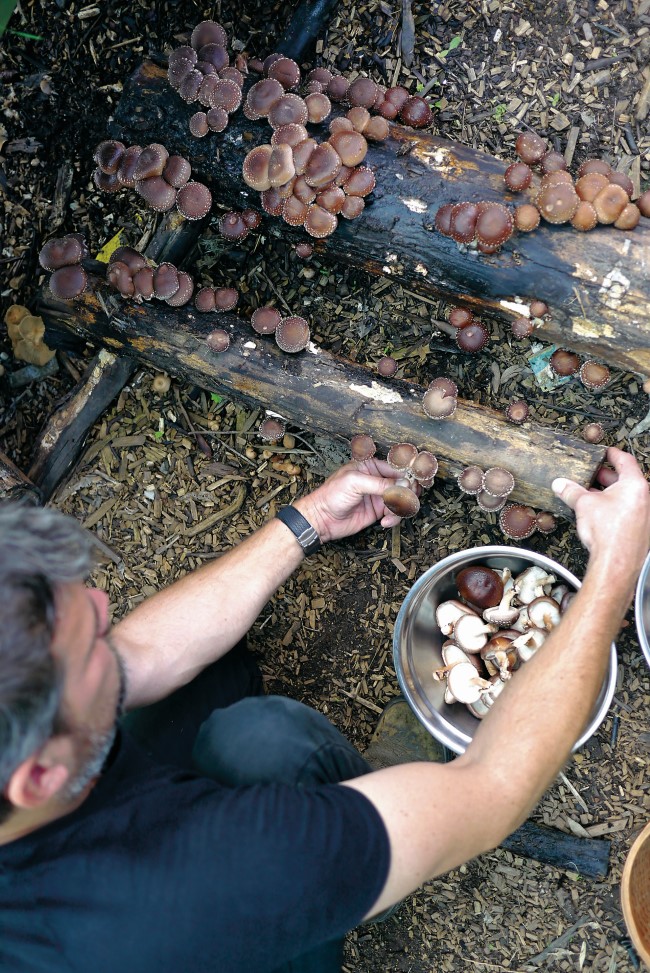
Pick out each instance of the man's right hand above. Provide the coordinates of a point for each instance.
(614, 522)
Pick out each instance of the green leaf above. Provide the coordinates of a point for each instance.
(437, 104)
(215, 398)
(158, 435)
(419, 87)
(453, 44)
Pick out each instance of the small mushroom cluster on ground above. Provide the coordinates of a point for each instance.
(418, 469)
(27, 333)
(469, 333)
(63, 256)
(162, 180)
(292, 333)
(593, 374)
(497, 622)
(133, 276)
(492, 488)
(599, 195)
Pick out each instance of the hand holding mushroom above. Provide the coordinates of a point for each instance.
(350, 500)
(620, 511)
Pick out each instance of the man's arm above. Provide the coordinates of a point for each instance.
(173, 635)
(439, 816)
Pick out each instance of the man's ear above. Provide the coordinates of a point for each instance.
(41, 776)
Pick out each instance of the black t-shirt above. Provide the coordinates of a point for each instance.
(163, 871)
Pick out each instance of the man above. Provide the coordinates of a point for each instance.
(120, 857)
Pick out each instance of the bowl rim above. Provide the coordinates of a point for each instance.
(639, 597)
(454, 738)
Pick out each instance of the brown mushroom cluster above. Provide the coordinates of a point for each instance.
(292, 334)
(162, 180)
(469, 332)
(133, 276)
(235, 225)
(484, 226)
(416, 466)
(440, 400)
(27, 335)
(490, 487)
(201, 72)
(217, 299)
(496, 623)
(64, 256)
(593, 374)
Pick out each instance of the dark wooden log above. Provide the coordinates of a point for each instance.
(597, 284)
(586, 856)
(307, 23)
(63, 436)
(14, 485)
(316, 390)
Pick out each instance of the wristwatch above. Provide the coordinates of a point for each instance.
(302, 530)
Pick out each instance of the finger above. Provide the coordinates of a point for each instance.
(606, 476)
(568, 491)
(621, 461)
(383, 468)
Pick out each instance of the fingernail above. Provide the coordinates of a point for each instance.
(558, 485)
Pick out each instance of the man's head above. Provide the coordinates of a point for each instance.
(61, 682)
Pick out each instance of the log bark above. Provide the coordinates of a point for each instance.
(316, 390)
(597, 284)
(586, 856)
(63, 436)
(14, 485)
(308, 21)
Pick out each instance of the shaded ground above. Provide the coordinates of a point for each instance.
(147, 490)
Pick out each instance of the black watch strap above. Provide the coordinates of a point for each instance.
(300, 527)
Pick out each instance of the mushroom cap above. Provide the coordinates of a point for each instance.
(208, 32)
(437, 403)
(387, 366)
(225, 94)
(230, 73)
(358, 118)
(265, 320)
(610, 203)
(177, 171)
(62, 252)
(401, 455)
(517, 411)
(552, 161)
(291, 134)
(290, 109)
(198, 124)
(517, 521)
(472, 338)
(262, 96)
(546, 522)
(518, 176)
(593, 432)
(232, 226)
(322, 75)
(304, 250)
(133, 259)
(424, 467)
(401, 500)
(319, 107)
(225, 298)
(179, 68)
(594, 375)
(589, 185)
(498, 482)
(643, 203)
(190, 86)
(494, 224)
(558, 203)
(157, 193)
(362, 447)
(629, 218)
(338, 87)
(251, 218)
(463, 222)
(538, 309)
(443, 219)
(522, 327)
(185, 290)
(294, 211)
(108, 155)
(151, 162)
(281, 167)
(271, 429)
(292, 334)
(460, 317)
(331, 199)
(68, 283)
(286, 71)
(526, 217)
(563, 362)
(530, 147)
(415, 112)
(585, 217)
(595, 165)
(302, 153)
(194, 200)
(444, 383)
(470, 480)
(143, 284)
(488, 502)
(165, 281)
(204, 300)
(128, 165)
(218, 341)
(107, 182)
(217, 119)
(377, 129)
(120, 276)
(319, 222)
(352, 207)
(350, 146)
(362, 92)
(323, 165)
(554, 178)
(360, 182)
(272, 201)
(480, 586)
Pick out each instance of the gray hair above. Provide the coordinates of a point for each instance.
(39, 550)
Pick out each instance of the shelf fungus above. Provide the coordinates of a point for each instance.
(481, 652)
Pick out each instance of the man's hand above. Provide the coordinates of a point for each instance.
(614, 522)
(350, 500)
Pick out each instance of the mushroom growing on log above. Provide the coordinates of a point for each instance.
(598, 284)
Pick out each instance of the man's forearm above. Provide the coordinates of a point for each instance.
(171, 636)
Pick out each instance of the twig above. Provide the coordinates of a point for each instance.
(565, 780)
(563, 939)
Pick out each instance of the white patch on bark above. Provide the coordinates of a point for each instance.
(377, 392)
(416, 205)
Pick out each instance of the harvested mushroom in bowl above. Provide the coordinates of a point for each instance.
(457, 646)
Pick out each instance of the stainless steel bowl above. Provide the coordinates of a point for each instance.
(417, 643)
(642, 609)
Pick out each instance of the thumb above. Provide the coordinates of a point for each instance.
(567, 491)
